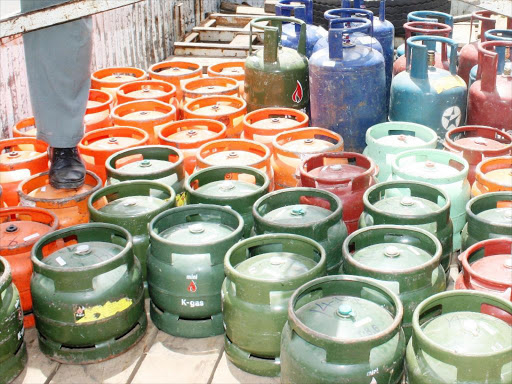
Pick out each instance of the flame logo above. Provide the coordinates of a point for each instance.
(192, 287)
(298, 93)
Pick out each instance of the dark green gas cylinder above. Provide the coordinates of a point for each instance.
(149, 162)
(13, 352)
(338, 332)
(413, 203)
(276, 76)
(237, 187)
(132, 205)
(87, 293)
(186, 267)
(309, 212)
(261, 274)
(406, 259)
(454, 340)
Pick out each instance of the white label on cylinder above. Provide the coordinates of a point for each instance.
(30, 237)
(61, 261)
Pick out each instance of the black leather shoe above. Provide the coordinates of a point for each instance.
(67, 171)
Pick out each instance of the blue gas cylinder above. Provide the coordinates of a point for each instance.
(428, 95)
(347, 84)
(490, 35)
(426, 16)
(290, 33)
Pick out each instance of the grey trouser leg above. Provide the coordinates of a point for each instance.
(58, 60)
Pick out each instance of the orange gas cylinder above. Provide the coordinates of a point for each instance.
(487, 267)
(108, 79)
(149, 115)
(263, 124)
(25, 128)
(476, 143)
(188, 135)
(97, 113)
(20, 228)
(229, 110)
(292, 147)
(96, 146)
(348, 175)
(493, 175)
(147, 89)
(69, 205)
(19, 158)
(175, 72)
(209, 86)
(228, 152)
(424, 28)
(2, 202)
(234, 69)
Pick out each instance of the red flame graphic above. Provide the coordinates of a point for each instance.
(297, 94)
(192, 287)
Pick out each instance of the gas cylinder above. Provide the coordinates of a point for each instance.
(455, 341)
(468, 56)
(147, 89)
(338, 329)
(229, 110)
(132, 204)
(421, 205)
(348, 85)
(13, 354)
(261, 275)
(282, 70)
(493, 175)
(308, 212)
(476, 143)
(175, 72)
(20, 228)
(149, 115)
(25, 128)
(97, 113)
(302, 10)
(151, 162)
(87, 293)
(428, 95)
(385, 140)
(185, 267)
(190, 134)
(290, 148)
(262, 125)
(228, 152)
(425, 28)
(490, 97)
(489, 217)
(443, 169)
(486, 267)
(69, 205)
(234, 69)
(209, 86)
(96, 146)
(348, 175)
(20, 158)
(109, 79)
(2, 202)
(404, 258)
(235, 186)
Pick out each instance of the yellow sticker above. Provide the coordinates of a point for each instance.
(99, 312)
(181, 199)
(446, 83)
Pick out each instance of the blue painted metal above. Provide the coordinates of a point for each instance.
(290, 33)
(347, 85)
(427, 95)
(494, 34)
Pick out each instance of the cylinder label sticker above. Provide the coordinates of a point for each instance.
(98, 312)
(451, 117)
(298, 94)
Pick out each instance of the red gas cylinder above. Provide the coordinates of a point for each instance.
(476, 143)
(25, 128)
(234, 69)
(20, 228)
(96, 146)
(487, 267)
(348, 175)
(20, 158)
(149, 115)
(147, 89)
(188, 135)
(493, 175)
(108, 79)
(424, 28)
(175, 72)
(97, 113)
(468, 56)
(490, 98)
